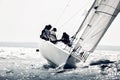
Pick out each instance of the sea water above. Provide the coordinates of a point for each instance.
(20, 63)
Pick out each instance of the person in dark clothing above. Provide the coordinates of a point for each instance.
(65, 39)
(53, 37)
(46, 32)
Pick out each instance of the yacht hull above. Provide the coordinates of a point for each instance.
(55, 55)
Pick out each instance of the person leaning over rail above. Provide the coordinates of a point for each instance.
(65, 39)
(46, 32)
(53, 37)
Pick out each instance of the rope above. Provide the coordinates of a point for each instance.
(84, 21)
(95, 2)
(85, 18)
(63, 11)
(74, 14)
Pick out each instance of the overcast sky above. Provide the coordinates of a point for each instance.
(22, 20)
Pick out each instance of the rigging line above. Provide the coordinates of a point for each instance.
(70, 18)
(78, 21)
(74, 15)
(85, 19)
(76, 24)
(98, 3)
(63, 11)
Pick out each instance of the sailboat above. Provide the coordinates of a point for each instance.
(96, 22)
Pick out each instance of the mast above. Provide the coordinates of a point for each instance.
(86, 21)
(82, 24)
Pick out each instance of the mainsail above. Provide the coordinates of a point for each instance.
(99, 18)
(103, 13)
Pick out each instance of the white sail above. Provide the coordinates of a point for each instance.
(85, 22)
(88, 16)
(104, 14)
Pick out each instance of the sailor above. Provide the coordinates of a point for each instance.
(53, 37)
(65, 39)
(46, 32)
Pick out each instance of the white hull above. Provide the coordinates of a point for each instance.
(54, 54)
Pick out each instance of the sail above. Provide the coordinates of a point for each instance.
(85, 22)
(104, 14)
(88, 16)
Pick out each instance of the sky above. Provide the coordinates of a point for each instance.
(23, 20)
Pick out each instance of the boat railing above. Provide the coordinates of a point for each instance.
(81, 56)
(64, 46)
